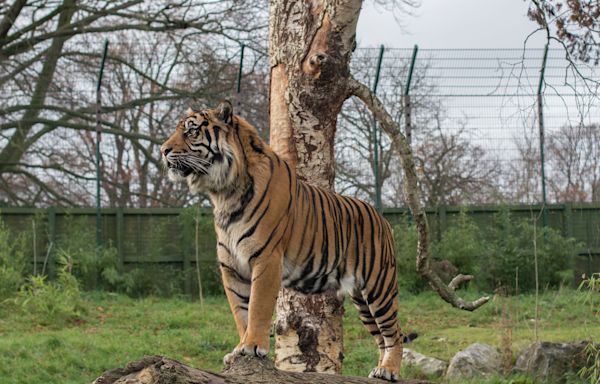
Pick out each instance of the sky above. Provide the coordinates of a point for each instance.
(449, 24)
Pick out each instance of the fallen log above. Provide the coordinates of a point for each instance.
(241, 370)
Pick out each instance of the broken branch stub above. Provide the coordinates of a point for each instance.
(413, 199)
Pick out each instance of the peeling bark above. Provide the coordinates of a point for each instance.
(310, 47)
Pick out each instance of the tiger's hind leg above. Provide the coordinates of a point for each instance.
(364, 313)
(384, 310)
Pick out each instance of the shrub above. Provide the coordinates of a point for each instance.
(495, 255)
(13, 262)
(511, 254)
(405, 236)
(54, 302)
(590, 372)
(79, 247)
(462, 244)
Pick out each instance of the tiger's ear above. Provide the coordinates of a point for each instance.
(194, 108)
(225, 111)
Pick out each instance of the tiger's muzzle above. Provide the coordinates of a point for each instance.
(178, 169)
(181, 166)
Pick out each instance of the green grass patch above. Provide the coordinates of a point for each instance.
(116, 329)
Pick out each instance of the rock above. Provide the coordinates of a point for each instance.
(428, 365)
(477, 360)
(550, 362)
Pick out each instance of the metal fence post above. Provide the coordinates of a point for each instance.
(407, 102)
(376, 137)
(98, 138)
(540, 110)
(238, 87)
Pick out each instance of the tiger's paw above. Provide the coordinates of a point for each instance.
(252, 349)
(247, 349)
(384, 373)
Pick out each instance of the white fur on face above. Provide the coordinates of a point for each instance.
(220, 175)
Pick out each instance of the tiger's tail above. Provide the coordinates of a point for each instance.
(409, 338)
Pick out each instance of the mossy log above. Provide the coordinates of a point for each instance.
(242, 370)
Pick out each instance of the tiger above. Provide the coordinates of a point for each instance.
(274, 230)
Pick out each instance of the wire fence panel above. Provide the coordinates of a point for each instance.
(475, 126)
(473, 117)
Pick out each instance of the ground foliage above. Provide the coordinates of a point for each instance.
(500, 255)
(112, 329)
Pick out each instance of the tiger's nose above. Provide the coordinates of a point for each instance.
(165, 150)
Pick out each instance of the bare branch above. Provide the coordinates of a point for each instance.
(52, 124)
(458, 280)
(411, 190)
(9, 18)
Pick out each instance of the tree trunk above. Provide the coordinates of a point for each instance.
(244, 370)
(310, 47)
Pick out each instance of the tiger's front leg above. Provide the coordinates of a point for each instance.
(237, 290)
(264, 288)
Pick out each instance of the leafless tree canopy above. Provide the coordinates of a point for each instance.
(50, 53)
(575, 158)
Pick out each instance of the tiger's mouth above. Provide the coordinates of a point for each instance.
(182, 167)
(180, 170)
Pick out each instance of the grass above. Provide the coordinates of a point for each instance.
(116, 329)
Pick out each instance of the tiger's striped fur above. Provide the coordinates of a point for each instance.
(273, 229)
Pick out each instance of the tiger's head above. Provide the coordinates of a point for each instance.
(200, 150)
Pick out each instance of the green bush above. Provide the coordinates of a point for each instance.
(55, 302)
(13, 262)
(590, 372)
(405, 236)
(155, 280)
(501, 254)
(462, 244)
(510, 259)
(79, 246)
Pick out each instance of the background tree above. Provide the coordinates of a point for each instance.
(50, 53)
(574, 24)
(451, 168)
(574, 158)
(523, 175)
